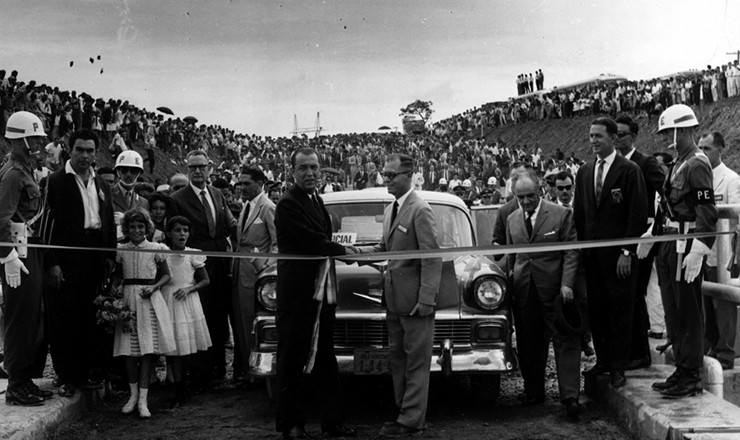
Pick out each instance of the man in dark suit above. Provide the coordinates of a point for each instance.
(411, 288)
(255, 232)
(610, 202)
(304, 228)
(79, 213)
(211, 222)
(538, 278)
(654, 176)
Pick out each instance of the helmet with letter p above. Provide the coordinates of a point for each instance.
(676, 117)
(23, 124)
(127, 161)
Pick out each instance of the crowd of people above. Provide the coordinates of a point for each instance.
(187, 305)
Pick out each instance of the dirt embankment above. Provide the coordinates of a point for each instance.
(572, 134)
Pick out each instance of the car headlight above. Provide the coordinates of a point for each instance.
(267, 294)
(488, 293)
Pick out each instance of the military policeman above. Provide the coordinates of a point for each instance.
(687, 206)
(20, 209)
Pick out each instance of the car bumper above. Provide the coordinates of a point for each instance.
(475, 360)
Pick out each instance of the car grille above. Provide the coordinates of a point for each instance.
(375, 333)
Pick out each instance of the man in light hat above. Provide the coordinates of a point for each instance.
(687, 207)
(22, 270)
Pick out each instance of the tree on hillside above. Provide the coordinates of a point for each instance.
(421, 108)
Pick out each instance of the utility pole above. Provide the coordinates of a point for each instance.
(737, 54)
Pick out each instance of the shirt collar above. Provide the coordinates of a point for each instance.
(630, 153)
(197, 190)
(401, 200)
(608, 159)
(69, 170)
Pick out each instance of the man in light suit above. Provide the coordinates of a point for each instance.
(211, 222)
(610, 202)
(538, 278)
(79, 213)
(411, 288)
(720, 315)
(255, 232)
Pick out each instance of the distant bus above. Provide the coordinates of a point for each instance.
(413, 124)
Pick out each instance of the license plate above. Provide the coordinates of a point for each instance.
(372, 362)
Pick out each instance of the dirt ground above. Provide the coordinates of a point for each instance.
(230, 413)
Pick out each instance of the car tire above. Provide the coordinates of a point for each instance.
(485, 387)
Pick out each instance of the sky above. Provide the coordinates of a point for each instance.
(253, 66)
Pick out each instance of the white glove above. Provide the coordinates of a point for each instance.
(692, 262)
(13, 268)
(643, 249)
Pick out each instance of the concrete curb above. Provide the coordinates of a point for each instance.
(648, 415)
(35, 423)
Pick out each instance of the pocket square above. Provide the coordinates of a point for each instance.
(258, 221)
(550, 233)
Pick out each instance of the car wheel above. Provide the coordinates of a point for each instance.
(271, 385)
(485, 387)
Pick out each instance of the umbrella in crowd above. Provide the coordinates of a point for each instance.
(384, 127)
(165, 110)
(190, 120)
(330, 170)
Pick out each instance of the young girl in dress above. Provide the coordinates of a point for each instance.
(142, 274)
(188, 276)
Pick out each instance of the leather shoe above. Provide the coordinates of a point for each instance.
(21, 395)
(617, 379)
(338, 431)
(395, 429)
(637, 364)
(296, 433)
(595, 370)
(572, 408)
(36, 391)
(669, 382)
(685, 387)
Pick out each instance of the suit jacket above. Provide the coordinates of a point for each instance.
(622, 209)
(547, 270)
(188, 204)
(302, 229)
(412, 281)
(503, 213)
(653, 175)
(64, 219)
(121, 204)
(256, 231)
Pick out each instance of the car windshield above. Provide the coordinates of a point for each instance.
(366, 220)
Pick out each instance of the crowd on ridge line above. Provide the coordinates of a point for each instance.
(528, 84)
(620, 184)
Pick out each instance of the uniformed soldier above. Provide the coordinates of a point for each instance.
(20, 209)
(687, 206)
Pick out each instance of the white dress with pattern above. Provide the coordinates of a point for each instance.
(188, 320)
(152, 331)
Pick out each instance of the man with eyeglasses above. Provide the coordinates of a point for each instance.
(564, 189)
(610, 202)
(653, 176)
(211, 223)
(411, 288)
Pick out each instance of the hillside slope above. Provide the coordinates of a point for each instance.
(572, 134)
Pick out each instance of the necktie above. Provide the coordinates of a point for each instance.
(130, 199)
(599, 180)
(528, 223)
(394, 212)
(209, 214)
(246, 215)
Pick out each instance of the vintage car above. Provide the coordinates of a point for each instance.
(472, 331)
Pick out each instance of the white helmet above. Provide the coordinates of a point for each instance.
(131, 159)
(443, 181)
(492, 180)
(677, 116)
(467, 183)
(21, 125)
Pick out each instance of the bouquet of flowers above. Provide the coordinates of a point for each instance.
(113, 309)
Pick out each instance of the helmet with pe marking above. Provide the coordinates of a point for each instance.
(21, 125)
(677, 116)
(131, 159)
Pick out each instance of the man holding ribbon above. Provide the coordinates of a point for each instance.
(304, 228)
(411, 287)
